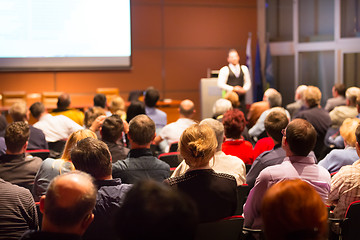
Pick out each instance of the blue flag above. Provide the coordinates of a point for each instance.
(258, 87)
(269, 75)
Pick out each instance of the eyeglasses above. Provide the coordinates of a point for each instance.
(283, 132)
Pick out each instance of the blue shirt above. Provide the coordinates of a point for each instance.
(338, 158)
(158, 116)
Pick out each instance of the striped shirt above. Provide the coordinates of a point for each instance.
(345, 188)
(17, 211)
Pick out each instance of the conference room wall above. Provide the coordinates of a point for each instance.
(174, 43)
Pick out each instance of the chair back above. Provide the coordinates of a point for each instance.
(242, 194)
(225, 229)
(350, 226)
(11, 97)
(173, 159)
(174, 147)
(41, 153)
(50, 99)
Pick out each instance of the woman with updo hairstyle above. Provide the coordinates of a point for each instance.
(235, 144)
(213, 193)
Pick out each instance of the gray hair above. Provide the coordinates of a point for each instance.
(218, 128)
(221, 106)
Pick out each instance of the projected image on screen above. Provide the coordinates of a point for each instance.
(64, 34)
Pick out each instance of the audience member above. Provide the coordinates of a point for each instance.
(117, 107)
(159, 117)
(220, 163)
(296, 106)
(338, 99)
(220, 107)
(136, 108)
(233, 97)
(2, 146)
(275, 122)
(340, 113)
(63, 105)
(274, 99)
(140, 163)
(94, 118)
(345, 185)
(298, 140)
(50, 168)
(3, 124)
(93, 157)
(14, 166)
(234, 144)
(317, 116)
(341, 157)
(111, 133)
(257, 108)
(17, 211)
(101, 101)
(292, 209)
(19, 113)
(154, 211)
(214, 193)
(66, 208)
(172, 132)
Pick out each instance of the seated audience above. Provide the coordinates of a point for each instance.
(263, 145)
(93, 157)
(220, 163)
(17, 211)
(220, 107)
(19, 113)
(234, 144)
(117, 107)
(94, 118)
(292, 209)
(317, 116)
(14, 166)
(172, 132)
(136, 108)
(66, 208)
(159, 117)
(63, 105)
(233, 97)
(338, 99)
(101, 101)
(154, 211)
(345, 185)
(140, 163)
(50, 168)
(298, 140)
(340, 113)
(3, 124)
(341, 157)
(274, 99)
(214, 193)
(275, 122)
(298, 105)
(111, 133)
(2, 146)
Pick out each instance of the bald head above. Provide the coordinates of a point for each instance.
(63, 101)
(187, 108)
(69, 200)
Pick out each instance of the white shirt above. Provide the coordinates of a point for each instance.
(57, 127)
(223, 164)
(224, 74)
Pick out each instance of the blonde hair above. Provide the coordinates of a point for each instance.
(73, 139)
(117, 106)
(233, 97)
(312, 96)
(198, 145)
(347, 130)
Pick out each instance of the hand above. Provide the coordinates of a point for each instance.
(96, 125)
(126, 126)
(239, 90)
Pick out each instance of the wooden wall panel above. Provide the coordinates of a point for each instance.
(27, 81)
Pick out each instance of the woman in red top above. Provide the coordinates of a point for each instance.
(234, 144)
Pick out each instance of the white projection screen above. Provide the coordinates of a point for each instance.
(65, 35)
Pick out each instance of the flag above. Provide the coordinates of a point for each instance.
(249, 94)
(269, 75)
(257, 83)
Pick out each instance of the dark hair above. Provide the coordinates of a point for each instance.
(91, 114)
(234, 123)
(92, 156)
(357, 134)
(276, 121)
(100, 100)
(112, 128)
(136, 108)
(70, 215)
(301, 137)
(141, 129)
(340, 89)
(16, 135)
(37, 109)
(63, 101)
(152, 210)
(151, 97)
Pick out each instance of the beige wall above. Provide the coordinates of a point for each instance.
(174, 43)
